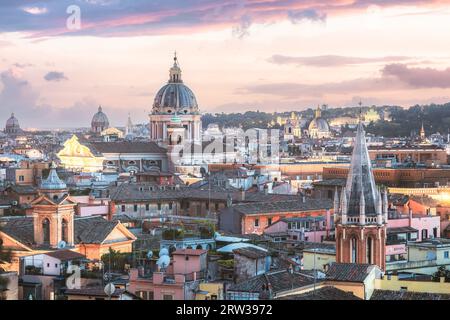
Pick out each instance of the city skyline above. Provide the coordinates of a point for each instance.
(238, 56)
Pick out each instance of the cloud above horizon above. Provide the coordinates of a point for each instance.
(55, 76)
(393, 77)
(138, 17)
(332, 60)
(418, 77)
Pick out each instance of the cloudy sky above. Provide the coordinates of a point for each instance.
(60, 59)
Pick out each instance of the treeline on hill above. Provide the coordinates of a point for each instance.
(435, 118)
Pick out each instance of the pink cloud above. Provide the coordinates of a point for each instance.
(418, 77)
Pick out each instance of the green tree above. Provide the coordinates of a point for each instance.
(116, 261)
(441, 272)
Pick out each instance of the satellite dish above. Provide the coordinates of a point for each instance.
(62, 244)
(163, 262)
(110, 289)
(150, 254)
(163, 252)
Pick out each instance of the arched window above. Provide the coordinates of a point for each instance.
(369, 250)
(65, 230)
(46, 231)
(353, 250)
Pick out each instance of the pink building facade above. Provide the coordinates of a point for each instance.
(179, 282)
(409, 228)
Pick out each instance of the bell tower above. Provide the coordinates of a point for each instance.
(53, 213)
(175, 140)
(361, 213)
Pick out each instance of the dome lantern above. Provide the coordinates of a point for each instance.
(175, 71)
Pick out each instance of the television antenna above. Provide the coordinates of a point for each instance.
(163, 252)
(110, 288)
(62, 244)
(163, 262)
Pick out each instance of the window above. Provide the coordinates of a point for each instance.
(123, 208)
(269, 221)
(21, 178)
(167, 297)
(445, 254)
(170, 206)
(46, 231)
(424, 234)
(216, 206)
(413, 236)
(135, 208)
(369, 250)
(353, 247)
(48, 265)
(159, 206)
(150, 295)
(256, 222)
(56, 265)
(65, 231)
(147, 207)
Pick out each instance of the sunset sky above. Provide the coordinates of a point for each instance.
(235, 55)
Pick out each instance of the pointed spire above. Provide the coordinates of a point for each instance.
(360, 180)
(362, 209)
(344, 205)
(379, 203)
(336, 201)
(422, 132)
(379, 208)
(385, 205)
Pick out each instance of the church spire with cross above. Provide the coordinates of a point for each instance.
(361, 214)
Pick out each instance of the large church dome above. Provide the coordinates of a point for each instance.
(175, 96)
(12, 125)
(319, 124)
(99, 121)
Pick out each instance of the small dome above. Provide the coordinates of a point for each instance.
(53, 182)
(100, 120)
(175, 96)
